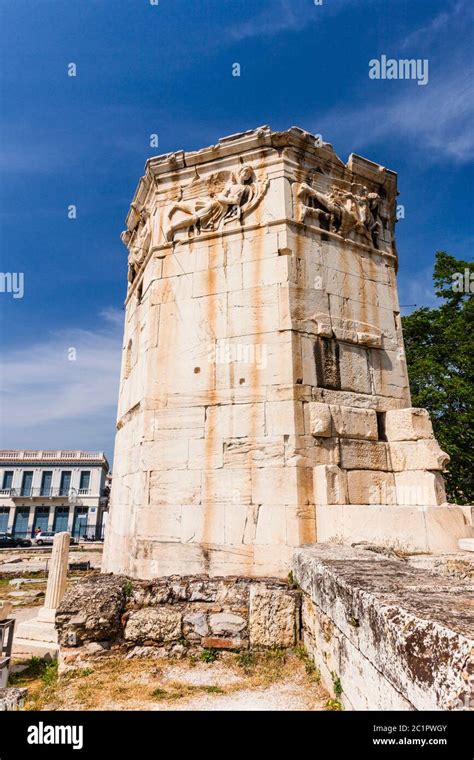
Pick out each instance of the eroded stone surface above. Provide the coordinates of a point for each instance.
(162, 624)
(172, 614)
(273, 617)
(397, 637)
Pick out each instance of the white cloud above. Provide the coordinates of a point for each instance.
(425, 35)
(282, 16)
(434, 120)
(113, 315)
(49, 401)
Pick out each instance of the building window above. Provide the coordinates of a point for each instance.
(46, 481)
(61, 519)
(79, 527)
(4, 514)
(85, 481)
(26, 484)
(7, 480)
(20, 526)
(65, 483)
(41, 519)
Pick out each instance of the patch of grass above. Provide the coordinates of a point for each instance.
(213, 690)
(15, 679)
(310, 668)
(180, 691)
(276, 654)
(35, 668)
(208, 655)
(246, 659)
(300, 652)
(50, 673)
(266, 667)
(334, 705)
(337, 685)
(128, 589)
(80, 673)
(117, 683)
(159, 694)
(312, 671)
(292, 581)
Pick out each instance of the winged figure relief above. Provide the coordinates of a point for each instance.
(209, 204)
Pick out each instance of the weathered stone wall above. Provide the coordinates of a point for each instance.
(393, 637)
(170, 616)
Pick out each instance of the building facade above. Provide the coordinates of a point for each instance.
(53, 490)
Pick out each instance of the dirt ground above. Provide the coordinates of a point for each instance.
(267, 681)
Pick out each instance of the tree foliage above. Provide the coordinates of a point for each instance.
(440, 355)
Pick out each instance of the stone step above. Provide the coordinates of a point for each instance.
(466, 544)
(36, 630)
(23, 646)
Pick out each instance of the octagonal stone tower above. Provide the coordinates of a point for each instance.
(264, 401)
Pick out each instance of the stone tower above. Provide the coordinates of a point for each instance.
(264, 401)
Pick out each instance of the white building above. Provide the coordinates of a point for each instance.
(53, 490)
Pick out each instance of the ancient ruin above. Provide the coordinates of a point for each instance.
(264, 401)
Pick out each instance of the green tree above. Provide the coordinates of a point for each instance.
(440, 355)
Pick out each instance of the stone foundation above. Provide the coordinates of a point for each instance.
(171, 616)
(392, 636)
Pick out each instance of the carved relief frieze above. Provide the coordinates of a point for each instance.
(208, 204)
(138, 242)
(349, 210)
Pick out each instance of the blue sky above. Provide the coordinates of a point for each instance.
(167, 69)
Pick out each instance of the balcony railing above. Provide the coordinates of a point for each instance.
(51, 493)
(46, 493)
(12, 454)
